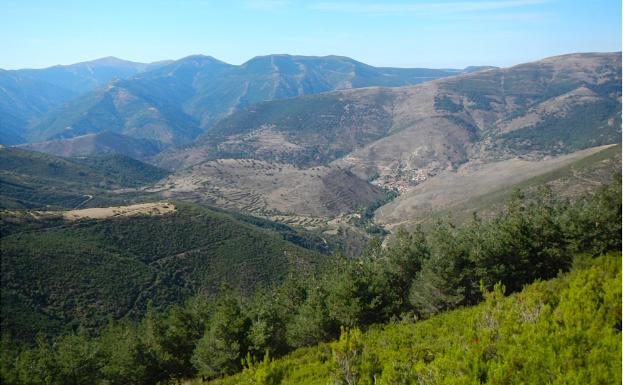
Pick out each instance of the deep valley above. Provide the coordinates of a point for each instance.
(193, 220)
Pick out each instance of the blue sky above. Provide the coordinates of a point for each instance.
(397, 33)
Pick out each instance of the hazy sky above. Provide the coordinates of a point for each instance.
(397, 33)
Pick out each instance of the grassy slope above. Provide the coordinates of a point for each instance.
(67, 273)
(566, 330)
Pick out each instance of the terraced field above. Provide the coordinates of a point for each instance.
(271, 189)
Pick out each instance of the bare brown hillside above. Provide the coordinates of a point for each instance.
(484, 187)
(271, 188)
(554, 106)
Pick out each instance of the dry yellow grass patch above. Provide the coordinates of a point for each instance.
(154, 208)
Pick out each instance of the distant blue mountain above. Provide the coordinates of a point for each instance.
(27, 94)
(175, 102)
(82, 77)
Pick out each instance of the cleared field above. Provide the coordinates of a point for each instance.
(482, 186)
(155, 208)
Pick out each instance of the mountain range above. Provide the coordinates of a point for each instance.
(307, 139)
(397, 138)
(175, 101)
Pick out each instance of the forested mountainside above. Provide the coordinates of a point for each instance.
(63, 269)
(419, 275)
(34, 180)
(173, 102)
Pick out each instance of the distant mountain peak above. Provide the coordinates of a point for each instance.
(109, 60)
(200, 58)
(261, 58)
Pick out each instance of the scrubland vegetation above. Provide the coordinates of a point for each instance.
(563, 331)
